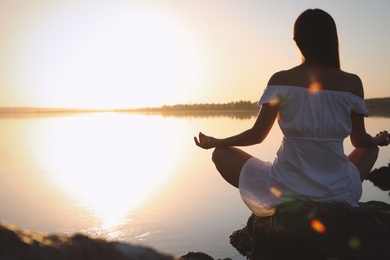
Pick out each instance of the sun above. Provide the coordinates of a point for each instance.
(107, 55)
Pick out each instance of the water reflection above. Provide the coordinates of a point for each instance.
(109, 163)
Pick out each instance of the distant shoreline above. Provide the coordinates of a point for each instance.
(376, 107)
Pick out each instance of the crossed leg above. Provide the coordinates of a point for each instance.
(229, 162)
(364, 159)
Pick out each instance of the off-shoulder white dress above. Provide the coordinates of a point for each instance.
(310, 163)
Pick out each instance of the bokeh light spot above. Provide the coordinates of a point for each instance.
(354, 243)
(274, 102)
(276, 192)
(315, 87)
(318, 226)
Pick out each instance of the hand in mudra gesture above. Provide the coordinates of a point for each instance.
(206, 142)
(382, 138)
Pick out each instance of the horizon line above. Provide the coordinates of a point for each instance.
(146, 107)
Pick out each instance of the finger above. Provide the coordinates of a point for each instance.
(196, 141)
(201, 137)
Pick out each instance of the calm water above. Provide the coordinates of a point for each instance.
(130, 177)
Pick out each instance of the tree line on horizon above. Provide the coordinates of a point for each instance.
(238, 105)
(383, 103)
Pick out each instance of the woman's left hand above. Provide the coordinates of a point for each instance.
(206, 142)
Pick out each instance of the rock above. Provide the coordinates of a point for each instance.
(195, 256)
(309, 230)
(381, 177)
(18, 244)
(198, 256)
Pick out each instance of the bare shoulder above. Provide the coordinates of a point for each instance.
(353, 83)
(275, 78)
(283, 77)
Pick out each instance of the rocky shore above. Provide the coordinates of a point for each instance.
(297, 230)
(17, 243)
(20, 244)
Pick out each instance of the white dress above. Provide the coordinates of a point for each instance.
(310, 163)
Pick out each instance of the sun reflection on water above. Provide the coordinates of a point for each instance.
(87, 158)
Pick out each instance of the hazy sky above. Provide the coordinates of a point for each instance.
(127, 53)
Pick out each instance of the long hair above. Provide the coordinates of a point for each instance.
(315, 34)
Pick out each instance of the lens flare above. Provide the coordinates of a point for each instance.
(276, 192)
(315, 87)
(354, 243)
(274, 102)
(318, 226)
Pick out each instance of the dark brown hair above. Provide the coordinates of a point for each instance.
(315, 34)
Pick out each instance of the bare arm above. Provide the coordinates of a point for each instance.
(361, 139)
(254, 135)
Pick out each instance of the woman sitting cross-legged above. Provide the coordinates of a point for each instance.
(317, 105)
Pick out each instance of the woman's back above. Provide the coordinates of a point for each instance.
(315, 106)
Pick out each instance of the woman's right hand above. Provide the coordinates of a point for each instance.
(206, 142)
(382, 138)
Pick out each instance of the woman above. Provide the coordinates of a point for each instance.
(318, 106)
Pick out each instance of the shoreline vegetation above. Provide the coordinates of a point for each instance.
(376, 106)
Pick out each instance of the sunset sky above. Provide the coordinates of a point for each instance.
(128, 53)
